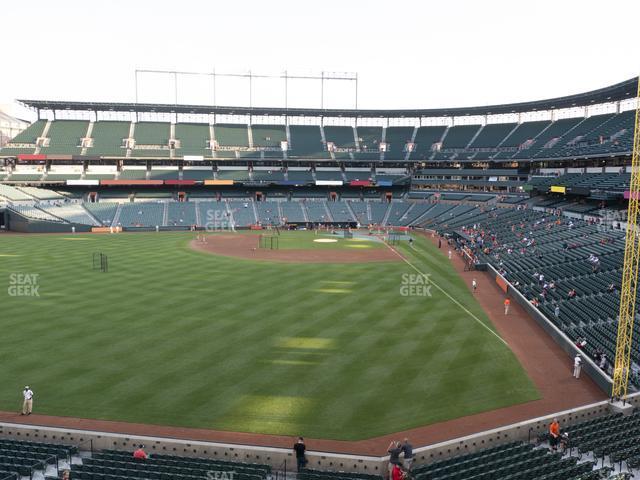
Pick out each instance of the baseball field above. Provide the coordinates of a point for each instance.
(173, 335)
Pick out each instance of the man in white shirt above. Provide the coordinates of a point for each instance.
(27, 403)
(474, 285)
(577, 366)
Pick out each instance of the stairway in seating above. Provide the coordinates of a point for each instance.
(351, 212)
(508, 135)
(441, 141)
(387, 213)
(324, 142)
(405, 214)
(91, 215)
(355, 138)
(232, 220)
(165, 214)
(63, 220)
(198, 217)
(250, 135)
(280, 215)
(132, 132)
(255, 211)
(369, 212)
(116, 217)
(417, 220)
(413, 140)
(327, 211)
(288, 132)
(88, 135)
(475, 136)
(172, 136)
(45, 132)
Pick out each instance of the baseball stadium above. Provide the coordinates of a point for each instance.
(191, 290)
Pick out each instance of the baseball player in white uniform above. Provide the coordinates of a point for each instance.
(27, 403)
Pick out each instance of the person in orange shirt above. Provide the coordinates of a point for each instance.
(554, 434)
(507, 303)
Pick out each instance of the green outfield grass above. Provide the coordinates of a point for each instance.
(177, 337)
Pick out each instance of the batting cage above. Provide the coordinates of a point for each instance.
(269, 242)
(100, 262)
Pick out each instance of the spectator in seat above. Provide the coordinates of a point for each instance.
(397, 473)
(140, 454)
(597, 355)
(572, 293)
(407, 450)
(603, 362)
(554, 434)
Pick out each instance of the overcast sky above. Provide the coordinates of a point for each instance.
(407, 54)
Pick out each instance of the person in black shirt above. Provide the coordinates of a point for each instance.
(407, 449)
(394, 455)
(300, 448)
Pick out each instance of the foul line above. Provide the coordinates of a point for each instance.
(431, 282)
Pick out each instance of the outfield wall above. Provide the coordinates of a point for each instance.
(526, 431)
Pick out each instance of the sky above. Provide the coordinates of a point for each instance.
(406, 54)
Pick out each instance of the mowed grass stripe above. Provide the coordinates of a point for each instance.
(177, 337)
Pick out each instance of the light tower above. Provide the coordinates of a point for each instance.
(629, 287)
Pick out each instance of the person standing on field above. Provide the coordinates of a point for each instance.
(27, 402)
(474, 285)
(507, 304)
(450, 254)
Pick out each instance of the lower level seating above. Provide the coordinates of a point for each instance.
(142, 214)
(19, 458)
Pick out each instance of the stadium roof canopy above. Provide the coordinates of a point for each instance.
(620, 91)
